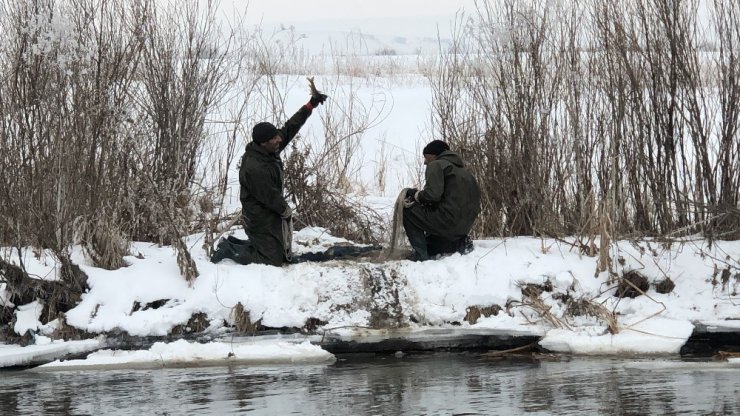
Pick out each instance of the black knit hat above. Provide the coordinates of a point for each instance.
(263, 132)
(435, 148)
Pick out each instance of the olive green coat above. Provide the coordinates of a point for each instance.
(261, 194)
(450, 201)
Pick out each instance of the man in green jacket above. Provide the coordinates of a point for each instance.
(265, 213)
(438, 218)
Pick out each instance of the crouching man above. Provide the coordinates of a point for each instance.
(265, 213)
(438, 218)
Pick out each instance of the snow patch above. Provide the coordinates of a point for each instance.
(655, 336)
(27, 317)
(5, 297)
(38, 264)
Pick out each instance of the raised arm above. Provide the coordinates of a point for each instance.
(291, 127)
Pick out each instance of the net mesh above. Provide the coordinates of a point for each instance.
(397, 247)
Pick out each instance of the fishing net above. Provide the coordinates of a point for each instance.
(397, 247)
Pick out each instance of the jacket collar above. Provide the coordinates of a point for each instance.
(255, 147)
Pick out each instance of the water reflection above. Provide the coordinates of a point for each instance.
(422, 384)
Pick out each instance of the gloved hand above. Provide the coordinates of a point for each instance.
(411, 193)
(316, 100)
(287, 213)
(409, 200)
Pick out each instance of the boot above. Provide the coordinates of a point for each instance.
(465, 245)
(223, 251)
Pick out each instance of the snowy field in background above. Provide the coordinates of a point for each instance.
(388, 153)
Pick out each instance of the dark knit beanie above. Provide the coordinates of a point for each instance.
(263, 132)
(435, 148)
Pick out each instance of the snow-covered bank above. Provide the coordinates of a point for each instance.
(530, 285)
(182, 353)
(43, 351)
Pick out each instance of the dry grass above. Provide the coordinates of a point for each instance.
(67, 332)
(104, 241)
(197, 323)
(725, 355)
(588, 307)
(473, 313)
(532, 300)
(242, 322)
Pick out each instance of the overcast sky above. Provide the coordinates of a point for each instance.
(301, 10)
(400, 18)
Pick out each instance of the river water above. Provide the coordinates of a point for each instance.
(462, 384)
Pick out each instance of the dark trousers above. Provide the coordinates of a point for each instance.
(241, 251)
(426, 244)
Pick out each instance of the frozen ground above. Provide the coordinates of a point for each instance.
(345, 297)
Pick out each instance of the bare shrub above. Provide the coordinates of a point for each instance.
(65, 75)
(322, 203)
(473, 313)
(319, 179)
(104, 109)
(596, 118)
(182, 77)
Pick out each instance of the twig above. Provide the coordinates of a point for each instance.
(649, 297)
(511, 350)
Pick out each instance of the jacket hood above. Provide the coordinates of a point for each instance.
(451, 157)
